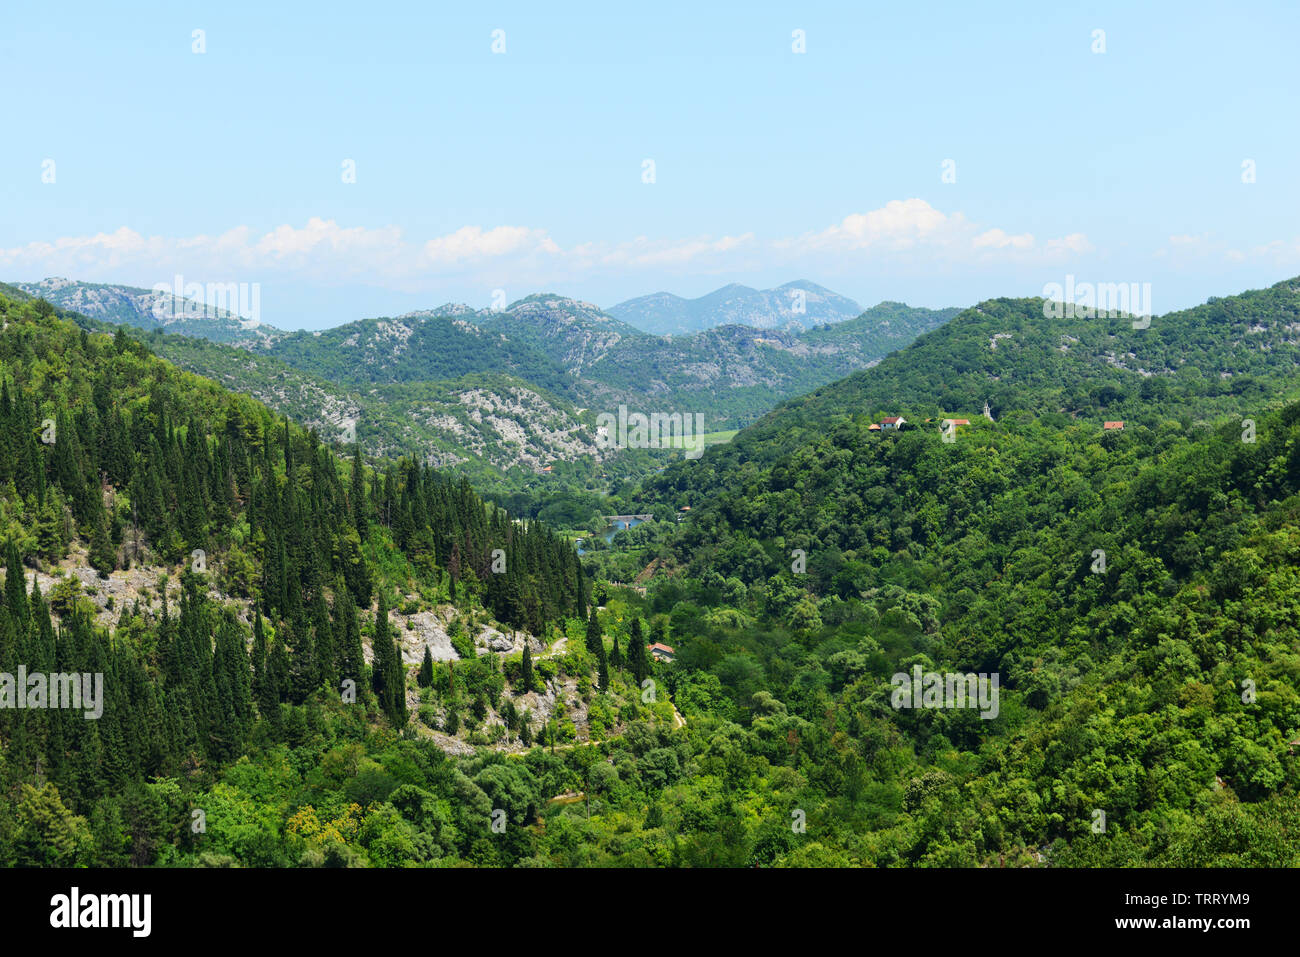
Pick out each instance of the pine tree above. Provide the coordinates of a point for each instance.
(594, 633)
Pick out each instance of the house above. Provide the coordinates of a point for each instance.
(661, 652)
(892, 422)
(1113, 426)
(873, 427)
(547, 469)
(955, 422)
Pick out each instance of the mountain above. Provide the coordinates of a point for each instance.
(374, 351)
(483, 424)
(731, 374)
(347, 663)
(512, 394)
(574, 335)
(1231, 355)
(1133, 590)
(800, 304)
(239, 591)
(152, 309)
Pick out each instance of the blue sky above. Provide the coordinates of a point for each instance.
(523, 170)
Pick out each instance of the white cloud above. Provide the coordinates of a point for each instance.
(899, 224)
(909, 230)
(1198, 251)
(475, 243)
(1281, 253)
(1075, 243)
(914, 230)
(998, 239)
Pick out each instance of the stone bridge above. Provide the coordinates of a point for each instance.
(625, 519)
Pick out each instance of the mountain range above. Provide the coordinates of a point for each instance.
(799, 305)
(495, 390)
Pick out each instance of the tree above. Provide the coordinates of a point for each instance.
(383, 677)
(526, 671)
(425, 677)
(358, 492)
(636, 653)
(103, 556)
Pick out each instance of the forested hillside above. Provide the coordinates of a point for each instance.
(1136, 592)
(266, 643)
(1232, 354)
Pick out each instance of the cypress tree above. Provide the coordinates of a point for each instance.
(347, 632)
(103, 556)
(425, 677)
(636, 653)
(526, 678)
(382, 680)
(358, 492)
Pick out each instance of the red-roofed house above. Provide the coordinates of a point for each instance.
(956, 421)
(873, 427)
(661, 652)
(892, 422)
(1113, 426)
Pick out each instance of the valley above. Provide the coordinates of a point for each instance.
(700, 634)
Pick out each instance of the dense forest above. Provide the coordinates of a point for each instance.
(1135, 590)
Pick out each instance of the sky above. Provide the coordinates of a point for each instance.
(367, 159)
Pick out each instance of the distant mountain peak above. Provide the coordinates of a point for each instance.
(795, 305)
(151, 309)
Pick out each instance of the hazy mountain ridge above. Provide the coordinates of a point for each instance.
(800, 304)
(150, 309)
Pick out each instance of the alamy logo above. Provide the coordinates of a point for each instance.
(930, 689)
(102, 910)
(1103, 300)
(194, 300)
(53, 690)
(658, 430)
